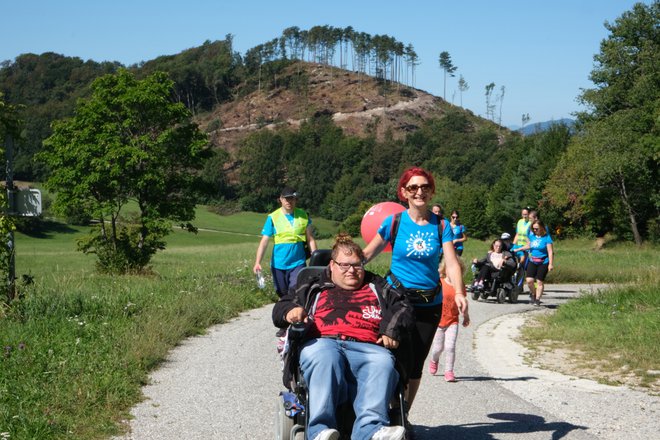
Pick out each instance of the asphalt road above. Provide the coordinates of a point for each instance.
(223, 385)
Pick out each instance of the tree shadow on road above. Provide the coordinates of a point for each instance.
(511, 423)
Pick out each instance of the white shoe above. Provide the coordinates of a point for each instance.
(390, 433)
(327, 434)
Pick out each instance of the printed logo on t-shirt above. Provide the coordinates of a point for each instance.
(420, 244)
(371, 312)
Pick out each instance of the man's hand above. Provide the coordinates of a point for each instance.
(297, 314)
(387, 342)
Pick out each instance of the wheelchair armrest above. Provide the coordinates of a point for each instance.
(297, 331)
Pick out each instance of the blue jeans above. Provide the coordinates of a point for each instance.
(339, 371)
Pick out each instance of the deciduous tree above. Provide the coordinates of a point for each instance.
(129, 142)
(608, 175)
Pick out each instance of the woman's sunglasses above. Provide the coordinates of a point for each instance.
(413, 188)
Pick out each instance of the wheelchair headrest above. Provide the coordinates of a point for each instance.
(320, 257)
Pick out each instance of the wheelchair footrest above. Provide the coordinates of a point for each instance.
(292, 406)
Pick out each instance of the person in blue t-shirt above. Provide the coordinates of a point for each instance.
(541, 259)
(414, 267)
(290, 228)
(458, 229)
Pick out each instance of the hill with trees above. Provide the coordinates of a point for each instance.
(335, 113)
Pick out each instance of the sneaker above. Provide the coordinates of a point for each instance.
(281, 343)
(433, 367)
(280, 332)
(327, 434)
(390, 433)
(449, 376)
(537, 303)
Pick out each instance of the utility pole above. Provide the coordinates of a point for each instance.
(11, 211)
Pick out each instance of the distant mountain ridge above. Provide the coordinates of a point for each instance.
(539, 127)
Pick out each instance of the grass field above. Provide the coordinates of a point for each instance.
(78, 346)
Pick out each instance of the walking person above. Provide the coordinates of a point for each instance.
(458, 229)
(290, 228)
(415, 261)
(541, 260)
(447, 332)
(522, 228)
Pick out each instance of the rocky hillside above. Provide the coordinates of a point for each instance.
(359, 104)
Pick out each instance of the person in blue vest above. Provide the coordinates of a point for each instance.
(290, 228)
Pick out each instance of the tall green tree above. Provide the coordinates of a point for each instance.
(262, 170)
(129, 142)
(10, 126)
(608, 175)
(462, 87)
(446, 64)
(490, 107)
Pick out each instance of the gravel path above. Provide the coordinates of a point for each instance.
(223, 385)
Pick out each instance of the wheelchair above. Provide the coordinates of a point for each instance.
(505, 284)
(291, 416)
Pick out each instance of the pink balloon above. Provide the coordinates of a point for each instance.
(374, 217)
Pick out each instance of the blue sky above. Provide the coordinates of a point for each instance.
(540, 51)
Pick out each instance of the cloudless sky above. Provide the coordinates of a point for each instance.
(540, 51)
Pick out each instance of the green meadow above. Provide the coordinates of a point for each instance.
(77, 346)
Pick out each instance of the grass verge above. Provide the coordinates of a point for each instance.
(612, 334)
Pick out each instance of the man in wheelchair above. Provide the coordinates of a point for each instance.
(353, 319)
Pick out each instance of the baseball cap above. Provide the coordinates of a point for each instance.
(505, 236)
(287, 191)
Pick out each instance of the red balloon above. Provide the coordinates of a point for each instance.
(374, 217)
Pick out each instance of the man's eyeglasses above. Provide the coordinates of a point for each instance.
(345, 266)
(413, 188)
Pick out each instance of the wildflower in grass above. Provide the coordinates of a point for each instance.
(21, 346)
(7, 350)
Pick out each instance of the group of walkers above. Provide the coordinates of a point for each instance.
(360, 322)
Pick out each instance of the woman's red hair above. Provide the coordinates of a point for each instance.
(409, 174)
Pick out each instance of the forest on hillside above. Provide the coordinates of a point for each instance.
(600, 178)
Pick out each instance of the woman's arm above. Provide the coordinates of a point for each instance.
(454, 273)
(551, 257)
(463, 237)
(375, 247)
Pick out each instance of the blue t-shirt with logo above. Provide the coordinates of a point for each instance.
(416, 253)
(538, 247)
(458, 231)
(286, 256)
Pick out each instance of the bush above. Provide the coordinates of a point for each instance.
(126, 254)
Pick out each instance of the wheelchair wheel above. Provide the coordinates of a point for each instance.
(475, 294)
(501, 295)
(513, 296)
(283, 423)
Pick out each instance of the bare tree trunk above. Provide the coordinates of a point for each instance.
(631, 213)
